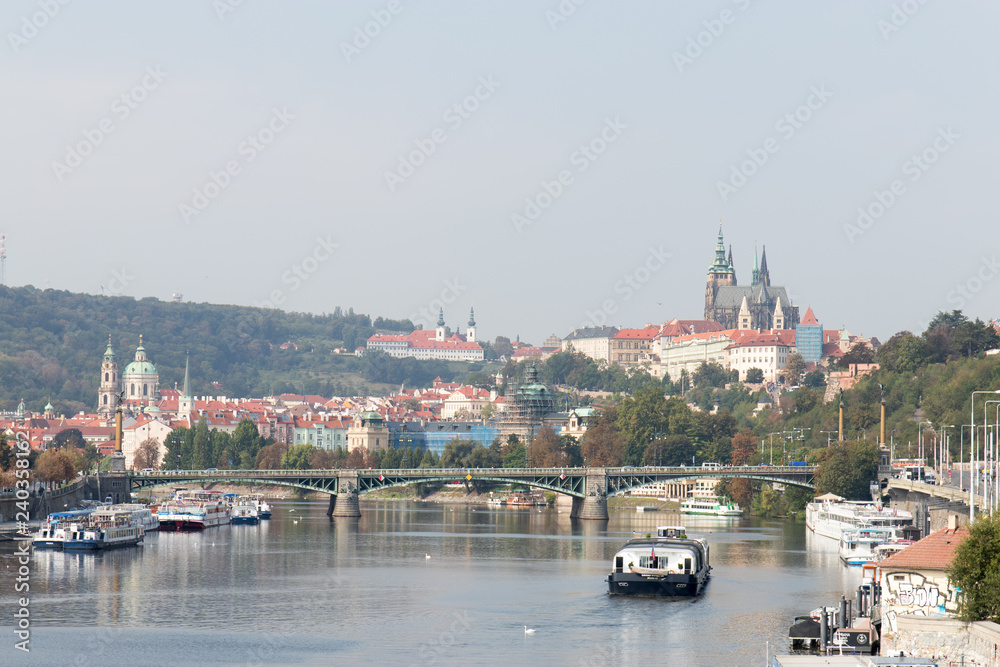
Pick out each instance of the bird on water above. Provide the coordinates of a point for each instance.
(529, 631)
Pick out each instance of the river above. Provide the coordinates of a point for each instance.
(418, 584)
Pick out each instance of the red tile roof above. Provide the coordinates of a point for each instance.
(934, 552)
(646, 333)
(809, 318)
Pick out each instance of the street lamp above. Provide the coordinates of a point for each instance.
(972, 420)
(989, 459)
(829, 434)
(945, 453)
(920, 442)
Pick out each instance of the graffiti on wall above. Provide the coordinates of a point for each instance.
(918, 595)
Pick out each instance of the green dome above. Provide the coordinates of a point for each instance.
(48, 407)
(140, 368)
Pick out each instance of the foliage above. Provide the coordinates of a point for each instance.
(975, 569)
(795, 366)
(755, 375)
(712, 374)
(814, 379)
(847, 469)
(147, 455)
(55, 466)
(70, 438)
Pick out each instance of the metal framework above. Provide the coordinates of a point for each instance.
(571, 481)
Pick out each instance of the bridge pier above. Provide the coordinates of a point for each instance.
(344, 505)
(591, 507)
(595, 505)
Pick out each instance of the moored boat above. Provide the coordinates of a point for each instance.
(112, 528)
(710, 507)
(857, 546)
(52, 533)
(669, 564)
(263, 509)
(193, 510)
(831, 515)
(147, 517)
(244, 512)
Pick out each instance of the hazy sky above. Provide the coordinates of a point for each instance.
(553, 164)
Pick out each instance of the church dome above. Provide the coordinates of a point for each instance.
(140, 368)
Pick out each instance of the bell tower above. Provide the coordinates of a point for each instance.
(107, 394)
(720, 273)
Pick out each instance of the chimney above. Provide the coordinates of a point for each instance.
(952, 521)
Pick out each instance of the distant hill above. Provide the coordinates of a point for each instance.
(52, 342)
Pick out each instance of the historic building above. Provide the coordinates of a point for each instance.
(759, 305)
(107, 394)
(432, 344)
(139, 381)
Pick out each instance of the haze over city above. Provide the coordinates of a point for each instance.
(553, 164)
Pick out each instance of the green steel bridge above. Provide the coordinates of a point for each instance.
(589, 487)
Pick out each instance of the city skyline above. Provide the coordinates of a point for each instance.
(568, 162)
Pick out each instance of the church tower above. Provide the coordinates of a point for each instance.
(779, 317)
(720, 273)
(185, 404)
(107, 393)
(470, 333)
(140, 379)
(439, 332)
(765, 277)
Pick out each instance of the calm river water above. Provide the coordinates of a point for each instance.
(302, 589)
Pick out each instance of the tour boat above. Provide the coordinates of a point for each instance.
(832, 515)
(710, 507)
(857, 546)
(52, 533)
(244, 512)
(669, 564)
(194, 511)
(112, 528)
(886, 549)
(147, 517)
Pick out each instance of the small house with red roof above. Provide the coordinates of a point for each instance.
(766, 350)
(916, 589)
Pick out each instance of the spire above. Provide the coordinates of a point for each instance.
(441, 317)
(472, 317)
(730, 258)
(187, 383)
(109, 354)
(720, 265)
(765, 277)
(756, 268)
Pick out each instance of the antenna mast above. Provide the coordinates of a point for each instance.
(3, 259)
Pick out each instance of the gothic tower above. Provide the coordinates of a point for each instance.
(107, 394)
(720, 273)
(765, 277)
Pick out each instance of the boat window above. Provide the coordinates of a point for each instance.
(619, 563)
(687, 565)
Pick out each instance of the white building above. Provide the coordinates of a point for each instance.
(594, 342)
(766, 350)
(426, 344)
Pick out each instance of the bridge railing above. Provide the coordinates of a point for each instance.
(620, 470)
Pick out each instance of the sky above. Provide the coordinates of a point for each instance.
(553, 164)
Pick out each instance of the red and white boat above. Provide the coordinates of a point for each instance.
(194, 510)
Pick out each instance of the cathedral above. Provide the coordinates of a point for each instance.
(140, 381)
(758, 306)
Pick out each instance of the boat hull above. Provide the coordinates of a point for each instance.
(245, 520)
(49, 544)
(670, 585)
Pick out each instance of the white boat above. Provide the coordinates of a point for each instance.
(263, 509)
(147, 517)
(52, 533)
(194, 510)
(244, 512)
(857, 546)
(886, 549)
(670, 564)
(831, 515)
(110, 529)
(710, 507)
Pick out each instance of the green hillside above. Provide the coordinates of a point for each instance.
(52, 342)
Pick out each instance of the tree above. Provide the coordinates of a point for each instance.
(602, 444)
(903, 353)
(456, 453)
(712, 374)
(323, 459)
(71, 438)
(546, 450)
(269, 458)
(795, 366)
(356, 459)
(6, 455)
(814, 379)
(859, 353)
(755, 376)
(297, 457)
(847, 469)
(202, 455)
(975, 569)
(487, 411)
(55, 466)
(147, 455)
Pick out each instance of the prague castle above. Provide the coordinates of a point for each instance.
(759, 306)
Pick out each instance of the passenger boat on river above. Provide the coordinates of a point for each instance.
(107, 530)
(669, 564)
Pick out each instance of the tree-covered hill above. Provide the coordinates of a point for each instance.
(52, 342)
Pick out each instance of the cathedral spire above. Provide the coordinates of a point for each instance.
(765, 277)
(187, 383)
(756, 268)
(720, 265)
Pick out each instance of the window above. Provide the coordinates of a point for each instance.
(132, 390)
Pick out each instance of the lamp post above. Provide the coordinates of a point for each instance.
(972, 457)
(943, 449)
(829, 435)
(989, 459)
(920, 442)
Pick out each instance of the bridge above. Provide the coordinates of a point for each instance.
(589, 487)
(932, 504)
